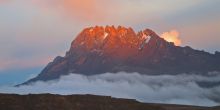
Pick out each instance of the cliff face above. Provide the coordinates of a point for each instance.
(82, 102)
(99, 50)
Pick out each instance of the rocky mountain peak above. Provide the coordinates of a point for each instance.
(101, 49)
(109, 37)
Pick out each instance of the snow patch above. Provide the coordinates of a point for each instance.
(147, 39)
(105, 35)
(96, 50)
(82, 43)
(144, 36)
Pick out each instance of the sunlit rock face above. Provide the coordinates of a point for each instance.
(100, 49)
(109, 48)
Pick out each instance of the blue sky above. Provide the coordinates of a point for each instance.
(33, 32)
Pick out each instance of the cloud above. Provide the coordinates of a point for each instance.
(115, 11)
(82, 10)
(175, 89)
(172, 36)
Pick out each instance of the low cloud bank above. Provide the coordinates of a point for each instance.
(175, 89)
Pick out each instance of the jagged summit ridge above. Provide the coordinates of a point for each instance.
(109, 37)
(99, 49)
(126, 35)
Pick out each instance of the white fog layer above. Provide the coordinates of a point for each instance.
(175, 89)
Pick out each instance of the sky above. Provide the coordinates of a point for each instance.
(34, 32)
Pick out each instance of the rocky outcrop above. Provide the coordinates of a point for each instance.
(100, 49)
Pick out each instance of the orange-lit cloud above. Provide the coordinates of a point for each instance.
(84, 10)
(172, 36)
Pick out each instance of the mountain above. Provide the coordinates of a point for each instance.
(100, 49)
(83, 102)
